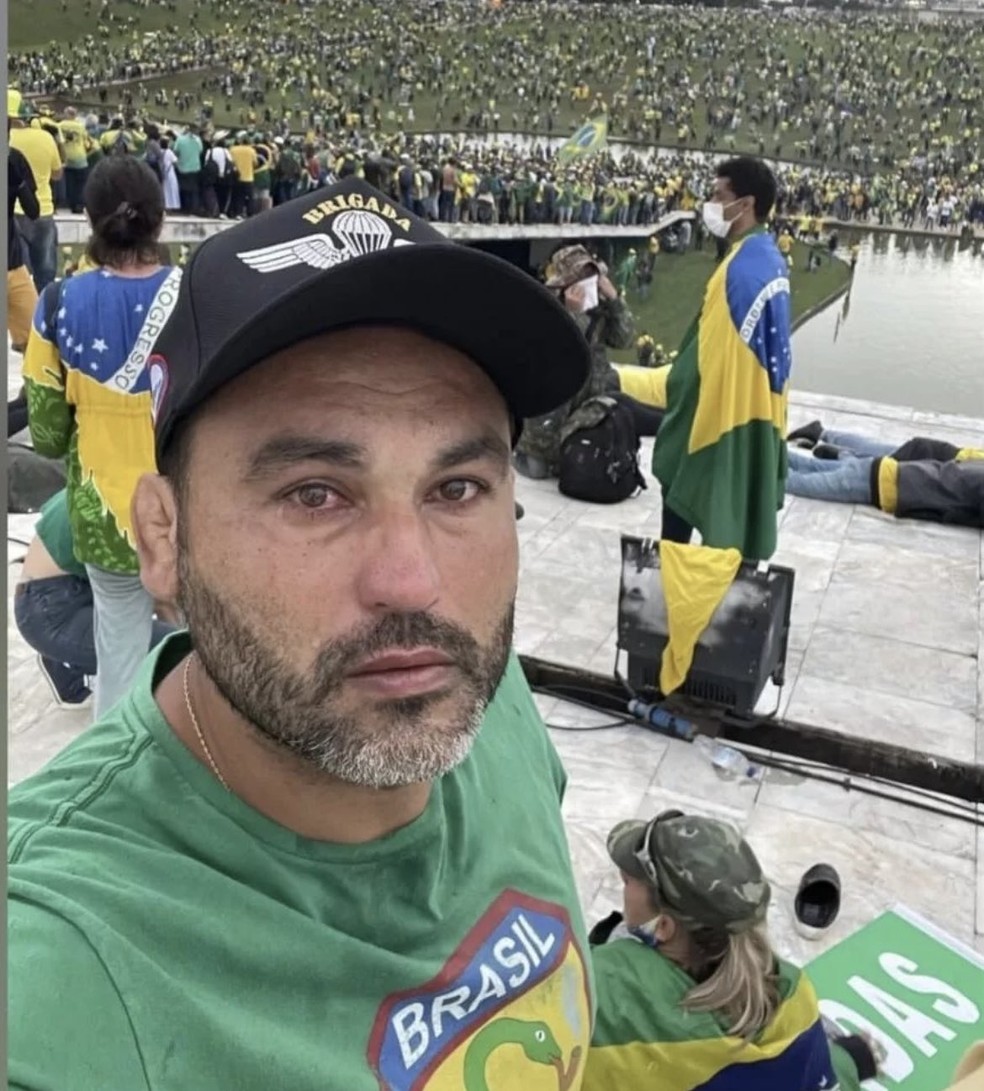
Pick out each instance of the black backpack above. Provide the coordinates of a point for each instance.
(599, 453)
(210, 170)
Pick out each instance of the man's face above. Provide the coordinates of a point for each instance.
(722, 191)
(348, 554)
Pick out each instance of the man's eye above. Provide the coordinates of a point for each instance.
(459, 491)
(314, 496)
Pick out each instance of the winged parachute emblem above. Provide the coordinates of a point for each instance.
(362, 232)
(317, 251)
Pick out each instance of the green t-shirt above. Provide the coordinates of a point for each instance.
(162, 934)
(55, 532)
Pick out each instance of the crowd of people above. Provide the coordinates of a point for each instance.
(870, 117)
(216, 173)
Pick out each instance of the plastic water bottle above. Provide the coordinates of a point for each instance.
(732, 763)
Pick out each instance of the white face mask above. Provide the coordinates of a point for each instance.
(714, 221)
(589, 295)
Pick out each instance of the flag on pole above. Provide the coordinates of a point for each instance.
(590, 138)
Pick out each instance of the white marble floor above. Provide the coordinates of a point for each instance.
(886, 643)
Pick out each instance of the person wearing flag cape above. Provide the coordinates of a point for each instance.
(720, 455)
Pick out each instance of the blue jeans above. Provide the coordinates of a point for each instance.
(847, 480)
(41, 237)
(853, 445)
(54, 615)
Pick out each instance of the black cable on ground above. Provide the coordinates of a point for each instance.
(847, 781)
(562, 693)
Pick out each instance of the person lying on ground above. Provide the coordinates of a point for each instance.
(692, 994)
(925, 478)
(53, 607)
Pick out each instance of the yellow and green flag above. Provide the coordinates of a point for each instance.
(590, 138)
(695, 580)
(720, 455)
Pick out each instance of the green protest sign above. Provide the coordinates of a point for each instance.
(918, 990)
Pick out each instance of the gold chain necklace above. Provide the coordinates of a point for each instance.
(198, 731)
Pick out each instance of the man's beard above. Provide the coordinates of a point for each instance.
(393, 743)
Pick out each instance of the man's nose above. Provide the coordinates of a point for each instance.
(399, 569)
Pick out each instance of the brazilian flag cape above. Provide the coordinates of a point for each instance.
(720, 455)
(644, 1038)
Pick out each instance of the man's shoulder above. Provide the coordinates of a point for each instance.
(90, 785)
(67, 1023)
(759, 252)
(756, 272)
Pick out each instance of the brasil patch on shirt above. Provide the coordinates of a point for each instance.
(511, 1008)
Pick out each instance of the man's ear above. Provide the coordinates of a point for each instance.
(155, 527)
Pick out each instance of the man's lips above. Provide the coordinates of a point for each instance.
(403, 674)
(402, 661)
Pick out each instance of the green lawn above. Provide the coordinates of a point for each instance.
(675, 294)
(678, 287)
(34, 24)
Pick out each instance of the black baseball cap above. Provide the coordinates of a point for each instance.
(347, 255)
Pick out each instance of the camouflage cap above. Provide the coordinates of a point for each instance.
(569, 265)
(703, 869)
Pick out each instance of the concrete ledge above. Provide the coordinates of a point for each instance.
(74, 228)
(834, 403)
(821, 306)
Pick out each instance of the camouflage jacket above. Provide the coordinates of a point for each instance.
(609, 325)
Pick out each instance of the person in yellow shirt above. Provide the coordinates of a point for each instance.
(246, 160)
(785, 246)
(21, 295)
(77, 144)
(467, 190)
(41, 152)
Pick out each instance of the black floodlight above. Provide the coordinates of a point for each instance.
(742, 647)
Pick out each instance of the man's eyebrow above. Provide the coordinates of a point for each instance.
(486, 446)
(282, 452)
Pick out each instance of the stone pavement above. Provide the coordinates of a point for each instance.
(886, 644)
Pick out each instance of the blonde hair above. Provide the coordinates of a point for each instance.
(743, 985)
(736, 974)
